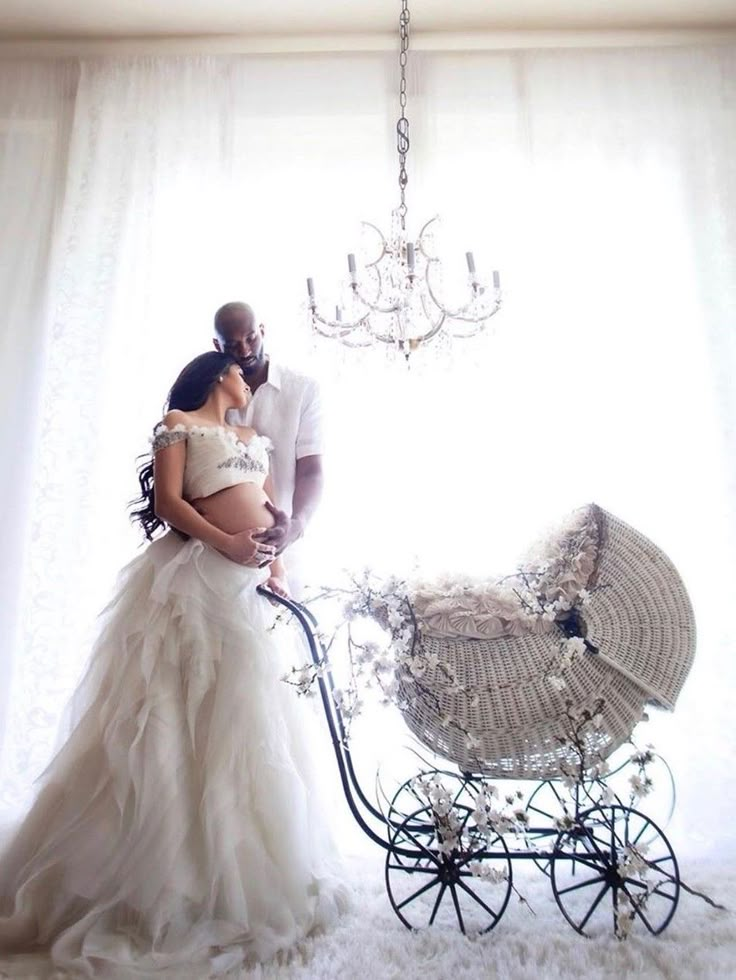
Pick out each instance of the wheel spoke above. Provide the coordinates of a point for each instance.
(437, 903)
(633, 881)
(576, 859)
(593, 907)
(412, 869)
(589, 836)
(459, 793)
(424, 888)
(542, 813)
(414, 840)
(559, 798)
(581, 884)
(613, 840)
(636, 906)
(638, 837)
(659, 894)
(480, 901)
(458, 913)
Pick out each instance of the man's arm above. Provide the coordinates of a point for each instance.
(308, 483)
(308, 478)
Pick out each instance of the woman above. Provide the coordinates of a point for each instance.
(177, 828)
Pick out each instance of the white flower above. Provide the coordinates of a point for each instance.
(384, 662)
(634, 863)
(349, 612)
(600, 769)
(449, 844)
(584, 597)
(607, 796)
(574, 646)
(639, 786)
(472, 741)
(557, 682)
(483, 870)
(480, 817)
(395, 618)
(500, 822)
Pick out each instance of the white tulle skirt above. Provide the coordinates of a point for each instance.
(180, 827)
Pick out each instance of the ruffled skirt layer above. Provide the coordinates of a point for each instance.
(179, 826)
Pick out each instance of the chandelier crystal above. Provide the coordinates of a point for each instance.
(395, 296)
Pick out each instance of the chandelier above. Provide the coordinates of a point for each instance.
(395, 297)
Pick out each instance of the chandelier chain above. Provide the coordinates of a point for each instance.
(402, 126)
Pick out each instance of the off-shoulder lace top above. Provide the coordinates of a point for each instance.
(216, 458)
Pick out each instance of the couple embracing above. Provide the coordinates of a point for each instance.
(178, 827)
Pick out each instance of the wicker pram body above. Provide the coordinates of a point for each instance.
(637, 616)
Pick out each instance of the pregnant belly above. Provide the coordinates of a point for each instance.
(237, 508)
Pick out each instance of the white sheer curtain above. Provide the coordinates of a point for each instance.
(153, 189)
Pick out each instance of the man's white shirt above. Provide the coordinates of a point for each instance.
(287, 409)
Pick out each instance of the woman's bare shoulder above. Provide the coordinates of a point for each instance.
(176, 417)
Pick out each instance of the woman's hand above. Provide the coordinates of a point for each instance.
(245, 550)
(278, 585)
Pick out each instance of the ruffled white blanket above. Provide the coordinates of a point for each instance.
(559, 565)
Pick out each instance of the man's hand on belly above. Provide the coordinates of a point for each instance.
(283, 533)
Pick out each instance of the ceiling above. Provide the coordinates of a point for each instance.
(172, 18)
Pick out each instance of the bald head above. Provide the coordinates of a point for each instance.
(234, 314)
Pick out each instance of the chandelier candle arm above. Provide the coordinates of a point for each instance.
(463, 312)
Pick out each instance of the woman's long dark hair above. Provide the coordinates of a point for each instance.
(189, 392)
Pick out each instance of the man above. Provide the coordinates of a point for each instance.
(286, 408)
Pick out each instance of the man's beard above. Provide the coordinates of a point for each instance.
(251, 367)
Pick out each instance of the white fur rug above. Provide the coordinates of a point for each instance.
(371, 944)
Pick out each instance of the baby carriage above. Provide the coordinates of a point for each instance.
(539, 676)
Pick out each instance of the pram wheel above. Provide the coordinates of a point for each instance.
(426, 886)
(603, 863)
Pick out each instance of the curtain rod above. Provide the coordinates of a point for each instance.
(357, 43)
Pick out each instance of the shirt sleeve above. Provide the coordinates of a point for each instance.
(309, 437)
